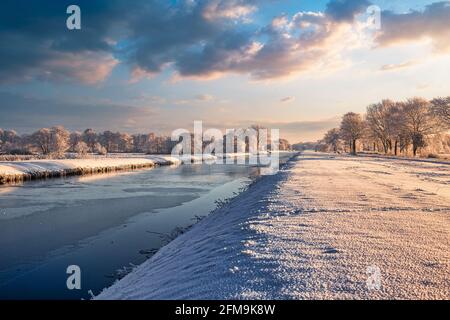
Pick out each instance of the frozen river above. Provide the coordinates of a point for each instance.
(101, 223)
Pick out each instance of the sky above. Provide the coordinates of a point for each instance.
(158, 65)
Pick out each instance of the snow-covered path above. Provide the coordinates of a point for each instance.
(319, 229)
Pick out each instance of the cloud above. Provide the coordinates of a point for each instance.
(433, 23)
(346, 10)
(210, 48)
(287, 99)
(37, 45)
(202, 39)
(204, 97)
(392, 67)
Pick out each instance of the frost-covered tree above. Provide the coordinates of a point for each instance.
(59, 140)
(74, 139)
(440, 107)
(382, 122)
(333, 139)
(99, 149)
(81, 148)
(418, 121)
(90, 138)
(51, 141)
(42, 140)
(352, 129)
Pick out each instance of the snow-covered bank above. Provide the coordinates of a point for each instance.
(323, 227)
(16, 171)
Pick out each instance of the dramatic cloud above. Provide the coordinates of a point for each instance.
(199, 39)
(37, 44)
(433, 24)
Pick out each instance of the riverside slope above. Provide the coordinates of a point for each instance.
(311, 232)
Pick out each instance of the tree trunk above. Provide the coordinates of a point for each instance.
(396, 147)
(354, 147)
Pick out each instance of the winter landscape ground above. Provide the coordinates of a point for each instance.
(325, 227)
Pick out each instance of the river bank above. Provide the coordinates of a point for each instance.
(19, 171)
(324, 227)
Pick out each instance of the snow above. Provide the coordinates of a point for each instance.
(39, 167)
(324, 227)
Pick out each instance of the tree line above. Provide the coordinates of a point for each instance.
(390, 127)
(56, 141)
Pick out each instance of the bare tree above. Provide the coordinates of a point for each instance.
(81, 148)
(51, 141)
(59, 140)
(284, 145)
(42, 140)
(74, 139)
(99, 149)
(9, 141)
(418, 121)
(333, 138)
(352, 129)
(125, 142)
(108, 139)
(381, 121)
(440, 107)
(90, 138)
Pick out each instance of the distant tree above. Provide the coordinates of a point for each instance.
(440, 107)
(142, 142)
(59, 140)
(51, 141)
(42, 140)
(10, 141)
(284, 145)
(108, 140)
(99, 149)
(352, 129)
(418, 121)
(332, 138)
(125, 142)
(82, 148)
(74, 139)
(382, 123)
(90, 138)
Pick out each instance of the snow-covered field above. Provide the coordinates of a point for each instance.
(324, 227)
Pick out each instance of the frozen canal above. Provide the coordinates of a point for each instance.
(101, 223)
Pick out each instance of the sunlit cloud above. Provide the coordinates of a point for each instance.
(433, 24)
